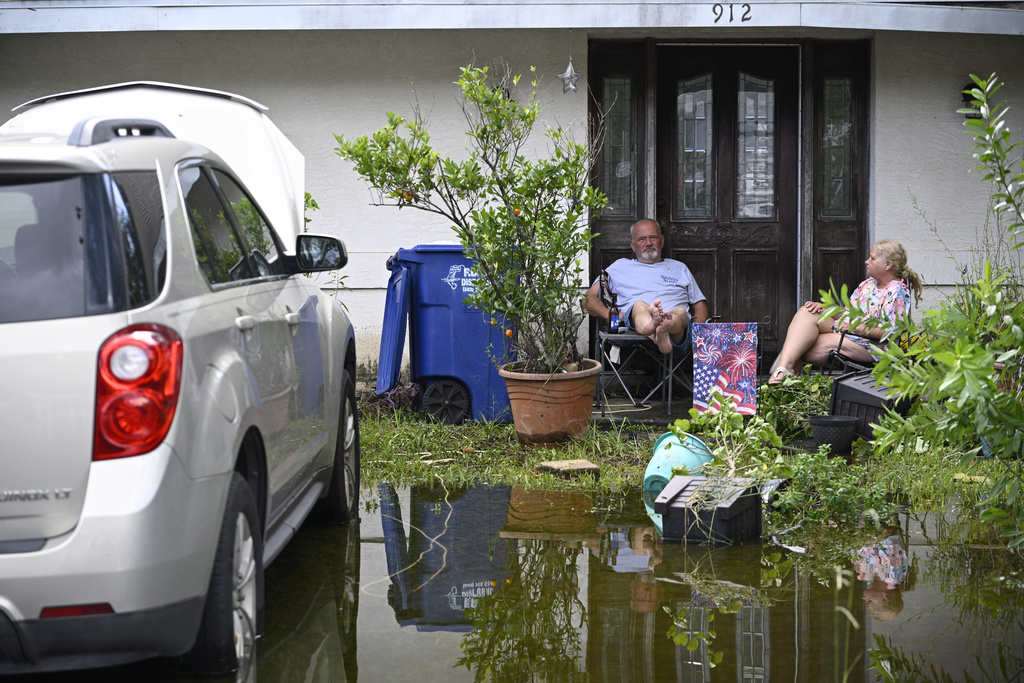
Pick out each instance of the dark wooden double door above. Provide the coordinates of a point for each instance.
(721, 123)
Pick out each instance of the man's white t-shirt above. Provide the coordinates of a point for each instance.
(668, 280)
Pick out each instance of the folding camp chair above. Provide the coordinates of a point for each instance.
(623, 353)
(839, 361)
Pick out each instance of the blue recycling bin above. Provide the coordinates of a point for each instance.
(449, 342)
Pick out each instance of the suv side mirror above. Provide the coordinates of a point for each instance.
(315, 253)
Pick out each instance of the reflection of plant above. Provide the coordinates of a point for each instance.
(532, 623)
(692, 626)
(215, 262)
(822, 550)
(895, 666)
(984, 583)
(255, 232)
(844, 622)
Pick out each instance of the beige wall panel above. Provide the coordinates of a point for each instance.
(921, 157)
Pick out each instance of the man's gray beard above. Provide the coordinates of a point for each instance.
(644, 258)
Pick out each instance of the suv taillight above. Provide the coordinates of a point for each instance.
(136, 390)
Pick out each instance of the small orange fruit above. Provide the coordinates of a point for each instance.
(494, 322)
(508, 333)
(516, 211)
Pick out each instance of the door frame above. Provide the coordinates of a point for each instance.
(823, 249)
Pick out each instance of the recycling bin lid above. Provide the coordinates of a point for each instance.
(392, 338)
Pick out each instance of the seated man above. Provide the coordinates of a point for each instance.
(653, 294)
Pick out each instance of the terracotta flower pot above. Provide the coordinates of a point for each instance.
(551, 408)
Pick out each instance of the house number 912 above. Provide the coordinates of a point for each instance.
(719, 10)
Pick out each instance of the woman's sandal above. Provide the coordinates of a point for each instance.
(780, 373)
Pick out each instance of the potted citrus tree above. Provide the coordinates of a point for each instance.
(524, 220)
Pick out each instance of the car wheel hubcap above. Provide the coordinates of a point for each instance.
(244, 594)
(350, 454)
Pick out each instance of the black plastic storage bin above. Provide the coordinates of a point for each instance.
(855, 394)
(722, 510)
(449, 342)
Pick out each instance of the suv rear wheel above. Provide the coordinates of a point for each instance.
(231, 619)
(343, 496)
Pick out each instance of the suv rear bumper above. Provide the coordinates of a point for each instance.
(144, 545)
(68, 643)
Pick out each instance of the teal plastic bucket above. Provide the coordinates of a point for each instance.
(670, 451)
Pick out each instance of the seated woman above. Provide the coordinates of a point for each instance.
(885, 295)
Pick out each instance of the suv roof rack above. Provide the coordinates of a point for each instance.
(98, 130)
(143, 84)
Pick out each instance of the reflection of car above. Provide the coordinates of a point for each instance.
(313, 609)
(176, 395)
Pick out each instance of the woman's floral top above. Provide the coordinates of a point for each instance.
(885, 303)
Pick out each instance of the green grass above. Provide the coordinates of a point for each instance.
(407, 448)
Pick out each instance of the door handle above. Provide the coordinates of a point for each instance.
(292, 319)
(245, 322)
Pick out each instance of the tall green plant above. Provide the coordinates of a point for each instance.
(524, 221)
(963, 365)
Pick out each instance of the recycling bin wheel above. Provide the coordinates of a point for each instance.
(447, 401)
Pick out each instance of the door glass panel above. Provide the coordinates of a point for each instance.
(216, 246)
(755, 148)
(260, 245)
(693, 148)
(617, 152)
(836, 148)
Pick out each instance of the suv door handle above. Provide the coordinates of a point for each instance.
(245, 322)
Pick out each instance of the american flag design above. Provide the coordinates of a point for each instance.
(725, 362)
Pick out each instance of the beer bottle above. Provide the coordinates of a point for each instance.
(613, 315)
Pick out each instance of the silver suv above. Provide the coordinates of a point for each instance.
(176, 395)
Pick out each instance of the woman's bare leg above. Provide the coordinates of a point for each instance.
(817, 355)
(803, 335)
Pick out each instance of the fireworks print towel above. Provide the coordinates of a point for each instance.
(725, 361)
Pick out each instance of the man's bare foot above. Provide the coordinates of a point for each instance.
(648, 319)
(661, 336)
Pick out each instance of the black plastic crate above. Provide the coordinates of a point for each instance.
(855, 394)
(698, 509)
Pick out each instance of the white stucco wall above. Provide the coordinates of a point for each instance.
(920, 152)
(317, 83)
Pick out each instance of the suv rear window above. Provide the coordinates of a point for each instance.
(74, 245)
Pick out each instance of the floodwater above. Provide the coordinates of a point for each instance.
(503, 584)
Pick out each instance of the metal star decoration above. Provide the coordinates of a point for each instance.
(569, 78)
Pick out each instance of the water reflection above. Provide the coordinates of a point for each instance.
(504, 584)
(566, 586)
(451, 557)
